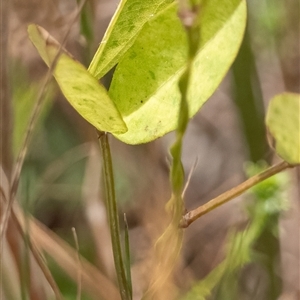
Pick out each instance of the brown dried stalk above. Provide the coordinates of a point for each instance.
(193, 215)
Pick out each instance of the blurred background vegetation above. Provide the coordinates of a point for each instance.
(247, 249)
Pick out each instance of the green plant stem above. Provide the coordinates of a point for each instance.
(113, 217)
(127, 256)
(177, 172)
(193, 215)
(248, 100)
(169, 244)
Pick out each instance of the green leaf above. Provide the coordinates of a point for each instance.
(283, 121)
(145, 83)
(124, 27)
(81, 89)
(86, 21)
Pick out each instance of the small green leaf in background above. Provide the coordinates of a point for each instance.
(126, 24)
(145, 83)
(81, 89)
(87, 18)
(283, 121)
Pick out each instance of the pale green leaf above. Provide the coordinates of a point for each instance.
(125, 25)
(283, 121)
(81, 89)
(145, 83)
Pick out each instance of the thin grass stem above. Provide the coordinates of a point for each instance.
(79, 284)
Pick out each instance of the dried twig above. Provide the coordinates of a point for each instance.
(5, 101)
(193, 215)
(78, 263)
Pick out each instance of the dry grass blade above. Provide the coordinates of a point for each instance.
(4, 187)
(5, 99)
(65, 256)
(39, 259)
(10, 284)
(8, 268)
(4, 195)
(78, 262)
